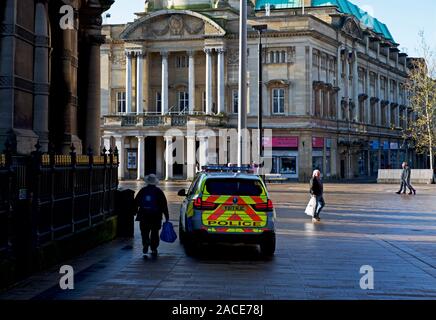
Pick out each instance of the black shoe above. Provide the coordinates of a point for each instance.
(414, 192)
(145, 250)
(154, 253)
(399, 192)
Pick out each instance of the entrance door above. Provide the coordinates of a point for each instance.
(150, 155)
(342, 169)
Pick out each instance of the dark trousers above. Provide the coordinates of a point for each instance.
(320, 203)
(150, 235)
(405, 185)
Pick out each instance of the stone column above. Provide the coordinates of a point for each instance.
(340, 84)
(191, 81)
(168, 158)
(92, 132)
(107, 142)
(221, 81)
(40, 75)
(190, 157)
(368, 100)
(203, 151)
(356, 86)
(334, 157)
(388, 107)
(208, 80)
(129, 57)
(139, 83)
(141, 157)
(347, 84)
(379, 113)
(164, 90)
(119, 143)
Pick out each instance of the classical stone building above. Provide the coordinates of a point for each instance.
(50, 73)
(333, 94)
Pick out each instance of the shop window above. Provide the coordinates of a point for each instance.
(317, 163)
(288, 165)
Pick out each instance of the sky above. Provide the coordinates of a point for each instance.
(404, 18)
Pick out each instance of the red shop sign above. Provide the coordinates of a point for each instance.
(280, 142)
(317, 142)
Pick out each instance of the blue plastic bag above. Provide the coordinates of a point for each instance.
(168, 234)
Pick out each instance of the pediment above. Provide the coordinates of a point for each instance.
(351, 27)
(172, 24)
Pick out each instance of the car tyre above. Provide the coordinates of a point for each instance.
(268, 245)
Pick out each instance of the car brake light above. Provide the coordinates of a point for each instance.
(204, 205)
(265, 206)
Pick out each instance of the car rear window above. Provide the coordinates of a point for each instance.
(234, 187)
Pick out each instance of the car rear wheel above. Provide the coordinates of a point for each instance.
(268, 245)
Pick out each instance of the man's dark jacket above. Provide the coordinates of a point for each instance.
(316, 187)
(152, 204)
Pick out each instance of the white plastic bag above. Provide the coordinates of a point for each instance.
(311, 207)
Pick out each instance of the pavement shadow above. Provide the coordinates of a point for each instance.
(225, 253)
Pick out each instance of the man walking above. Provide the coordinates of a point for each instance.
(405, 180)
(152, 204)
(317, 190)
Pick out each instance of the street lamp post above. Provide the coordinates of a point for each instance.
(260, 28)
(242, 93)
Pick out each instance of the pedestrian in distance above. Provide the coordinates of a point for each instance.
(152, 205)
(408, 180)
(317, 191)
(405, 180)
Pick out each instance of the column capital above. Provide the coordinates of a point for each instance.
(208, 50)
(190, 53)
(221, 50)
(140, 138)
(164, 53)
(190, 137)
(168, 138)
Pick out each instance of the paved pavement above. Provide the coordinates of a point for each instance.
(361, 225)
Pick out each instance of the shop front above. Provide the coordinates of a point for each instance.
(284, 156)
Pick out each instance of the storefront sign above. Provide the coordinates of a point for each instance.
(385, 145)
(317, 142)
(280, 142)
(375, 145)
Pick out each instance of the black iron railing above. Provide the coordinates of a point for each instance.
(57, 195)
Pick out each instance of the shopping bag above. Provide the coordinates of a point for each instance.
(168, 234)
(311, 206)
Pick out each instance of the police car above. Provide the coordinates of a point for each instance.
(227, 204)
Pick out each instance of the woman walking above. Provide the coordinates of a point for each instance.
(317, 191)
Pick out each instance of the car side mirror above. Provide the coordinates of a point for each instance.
(182, 193)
